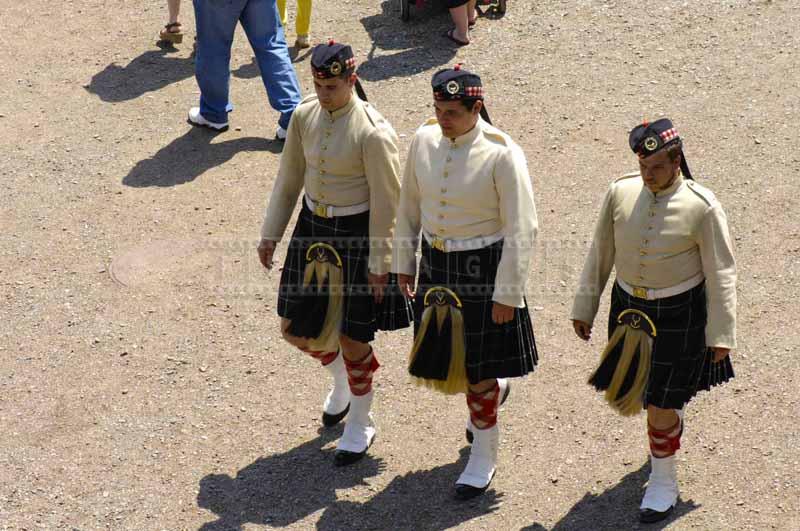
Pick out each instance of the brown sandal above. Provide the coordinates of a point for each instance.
(167, 34)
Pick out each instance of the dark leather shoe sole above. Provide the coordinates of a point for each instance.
(467, 492)
(345, 458)
(649, 516)
(329, 420)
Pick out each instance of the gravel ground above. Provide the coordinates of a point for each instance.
(143, 384)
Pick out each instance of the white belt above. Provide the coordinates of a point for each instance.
(652, 294)
(330, 211)
(467, 244)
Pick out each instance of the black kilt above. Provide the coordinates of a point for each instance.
(349, 235)
(681, 364)
(492, 350)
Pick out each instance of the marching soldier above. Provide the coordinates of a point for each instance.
(672, 322)
(334, 292)
(466, 188)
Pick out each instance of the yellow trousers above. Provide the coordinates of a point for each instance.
(303, 18)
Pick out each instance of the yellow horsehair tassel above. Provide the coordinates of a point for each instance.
(637, 331)
(440, 303)
(323, 262)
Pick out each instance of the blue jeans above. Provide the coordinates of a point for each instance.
(216, 23)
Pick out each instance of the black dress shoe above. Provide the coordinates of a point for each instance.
(467, 492)
(468, 433)
(649, 516)
(332, 419)
(345, 458)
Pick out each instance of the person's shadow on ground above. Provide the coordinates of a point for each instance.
(281, 489)
(251, 70)
(420, 40)
(151, 71)
(421, 500)
(615, 508)
(189, 156)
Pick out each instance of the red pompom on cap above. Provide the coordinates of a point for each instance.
(331, 42)
(457, 67)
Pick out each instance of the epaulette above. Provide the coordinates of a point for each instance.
(495, 134)
(628, 176)
(374, 117)
(702, 192)
(430, 121)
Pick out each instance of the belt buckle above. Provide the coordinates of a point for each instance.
(321, 210)
(640, 293)
(438, 244)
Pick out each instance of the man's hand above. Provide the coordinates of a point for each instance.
(266, 248)
(582, 330)
(406, 285)
(377, 284)
(502, 314)
(720, 353)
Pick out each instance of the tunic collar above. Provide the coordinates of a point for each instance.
(338, 113)
(468, 137)
(668, 191)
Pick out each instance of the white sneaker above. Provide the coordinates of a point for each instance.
(281, 133)
(195, 118)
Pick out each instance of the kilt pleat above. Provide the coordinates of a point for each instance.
(492, 350)
(681, 364)
(349, 235)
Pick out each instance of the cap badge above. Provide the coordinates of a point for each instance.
(336, 68)
(453, 87)
(650, 143)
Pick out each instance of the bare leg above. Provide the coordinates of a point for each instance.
(353, 350)
(174, 8)
(482, 386)
(661, 419)
(461, 22)
(473, 14)
(298, 342)
(172, 31)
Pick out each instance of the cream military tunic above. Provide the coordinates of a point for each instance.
(476, 185)
(661, 240)
(342, 158)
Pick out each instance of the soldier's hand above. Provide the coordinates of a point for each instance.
(377, 284)
(501, 313)
(266, 248)
(720, 353)
(406, 285)
(582, 330)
